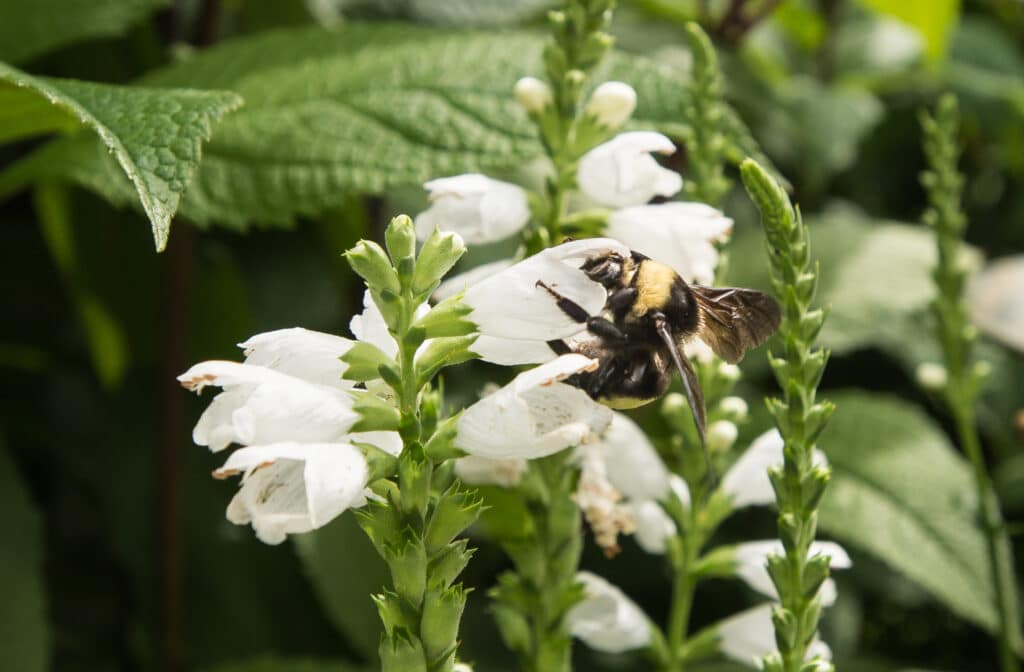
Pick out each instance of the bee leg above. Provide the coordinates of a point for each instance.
(599, 378)
(575, 311)
(559, 347)
(621, 298)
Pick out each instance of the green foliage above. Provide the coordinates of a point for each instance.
(155, 135)
(269, 664)
(24, 628)
(28, 29)
(935, 19)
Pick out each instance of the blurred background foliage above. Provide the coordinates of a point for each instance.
(118, 556)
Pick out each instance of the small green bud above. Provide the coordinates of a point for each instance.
(400, 237)
(778, 571)
(400, 652)
(381, 464)
(816, 419)
(408, 563)
(720, 561)
(380, 523)
(818, 665)
(375, 414)
(364, 361)
(777, 477)
(773, 663)
(441, 445)
(439, 627)
(414, 475)
(789, 532)
(815, 572)
(394, 611)
(442, 352)
(513, 626)
(371, 263)
(447, 318)
(814, 485)
(455, 510)
(448, 564)
(440, 252)
(787, 630)
(809, 623)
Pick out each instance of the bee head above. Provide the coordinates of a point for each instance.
(611, 269)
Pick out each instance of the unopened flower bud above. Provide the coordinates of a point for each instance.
(533, 94)
(931, 376)
(730, 372)
(612, 104)
(735, 407)
(721, 435)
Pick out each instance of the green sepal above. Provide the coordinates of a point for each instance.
(448, 564)
(364, 362)
(380, 522)
(789, 532)
(779, 573)
(813, 368)
(375, 414)
(380, 463)
(440, 252)
(407, 561)
(813, 486)
(780, 411)
(777, 477)
(439, 627)
(414, 476)
(528, 558)
(401, 652)
(447, 318)
(455, 510)
(371, 263)
(773, 663)
(809, 622)
(390, 306)
(815, 572)
(441, 444)
(816, 418)
(513, 626)
(394, 612)
(720, 561)
(400, 238)
(443, 352)
(787, 630)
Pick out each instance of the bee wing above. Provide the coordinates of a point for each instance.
(732, 320)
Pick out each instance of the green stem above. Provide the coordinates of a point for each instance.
(683, 585)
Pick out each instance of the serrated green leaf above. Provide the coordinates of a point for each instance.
(154, 134)
(28, 29)
(24, 632)
(361, 109)
(345, 569)
(274, 664)
(900, 492)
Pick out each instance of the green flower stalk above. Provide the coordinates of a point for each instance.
(799, 484)
(962, 383)
(706, 143)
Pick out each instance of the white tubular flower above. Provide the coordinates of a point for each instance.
(532, 94)
(535, 415)
(681, 235)
(600, 501)
(746, 483)
(634, 467)
(474, 470)
(478, 208)
(612, 103)
(290, 488)
(457, 283)
(607, 620)
(751, 558)
(369, 326)
(260, 405)
(721, 434)
(310, 355)
(748, 636)
(653, 526)
(621, 172)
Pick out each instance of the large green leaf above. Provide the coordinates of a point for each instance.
(900, 492)
(24, 630)
(28, 29)
(363, 109)
(154, 134)
(345, 570)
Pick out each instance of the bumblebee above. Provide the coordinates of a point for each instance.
(650, 314)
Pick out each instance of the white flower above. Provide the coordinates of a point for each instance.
(749, 635)
(680, 235)
(532, 94)
(721, 434)
(475, 470)
(260, 405)
(606, 619)
(451, 286)
(311, 355)
(734, 407)
(996, 302)
(931, 376)
(476, 207)
(746, 483)
(622, 172)
(534, 415)
(653, 526)
(612, 103)
(751, 558)
(289, 488)
(516, 317)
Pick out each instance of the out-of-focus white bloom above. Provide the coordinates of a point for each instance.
(310, 355)
(612, 103)
(532, 94)
(600, 502)
(290, 488)
(475, 470)
(746, 483)
(931, 376)
(621, 172)
(534, 415)
(700, 351)
(750, 635)
(680, 489)
(751, 558)
(996, 302)
(721, 434)
(476, 207)
(653, 526)
(260, 405)
(607, 620)
(681, 235)
(735, 407)
(462, 667)
(634, 467)
(730, 372)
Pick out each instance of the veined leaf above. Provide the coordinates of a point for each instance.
(361, 109)
(155, 135)
(903, 494)
(28, 29)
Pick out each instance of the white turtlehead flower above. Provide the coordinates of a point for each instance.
(260, 405)
(451, 286)
(680, 235)
(290, 488)
(311, 355)
(535, 415)
(746, 483)
(607, 620)
(749, 635)
(516, 317)
(652, 526)
(504, 472)
(622, 173)
(476, 207)
(612, 104)
(751, 559)
(532, 94)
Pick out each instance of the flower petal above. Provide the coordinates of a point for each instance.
(606, 619)
(747, 482)
(622, 172)
(511, 351)
(457, 283)
(310, 355)
(478, 208)
(653, 526)
(751, 559)
(475, 470)
(633, 464)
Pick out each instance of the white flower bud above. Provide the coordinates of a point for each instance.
(730, 372)
(612, 104)
(735, 407)
(721, 435)
(533, 94)
(931, 376)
